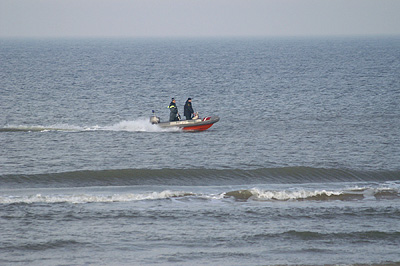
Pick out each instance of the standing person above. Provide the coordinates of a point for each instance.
(188, 109)
(173, 116)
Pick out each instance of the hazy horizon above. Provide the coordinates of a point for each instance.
(197, 18)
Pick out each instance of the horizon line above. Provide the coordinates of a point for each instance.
(201, 36)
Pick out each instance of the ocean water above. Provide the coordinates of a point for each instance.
(303, 167)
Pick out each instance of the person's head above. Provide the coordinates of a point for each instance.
(189, 99)
(173, 100)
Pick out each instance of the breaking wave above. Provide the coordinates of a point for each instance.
(91, 198)
(316, 195)
(255, 194)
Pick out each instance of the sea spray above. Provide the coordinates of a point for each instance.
(138, 125)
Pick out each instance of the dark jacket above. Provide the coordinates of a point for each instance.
(173, 116)
(188, 109)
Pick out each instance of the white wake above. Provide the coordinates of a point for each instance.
(138, 125)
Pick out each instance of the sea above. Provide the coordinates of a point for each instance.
(303, 167)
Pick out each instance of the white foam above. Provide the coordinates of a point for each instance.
(290, 195)
(138, 125)
(90, 198)
(41, 128)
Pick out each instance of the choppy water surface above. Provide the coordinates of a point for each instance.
(302, 169)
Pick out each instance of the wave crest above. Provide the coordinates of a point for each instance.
(317, 195)
(254, 194)
(91, 198)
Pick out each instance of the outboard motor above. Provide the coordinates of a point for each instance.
(154, 119)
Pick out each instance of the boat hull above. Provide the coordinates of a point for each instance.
(191, 125)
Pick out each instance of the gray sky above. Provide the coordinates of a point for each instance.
(181, 18)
